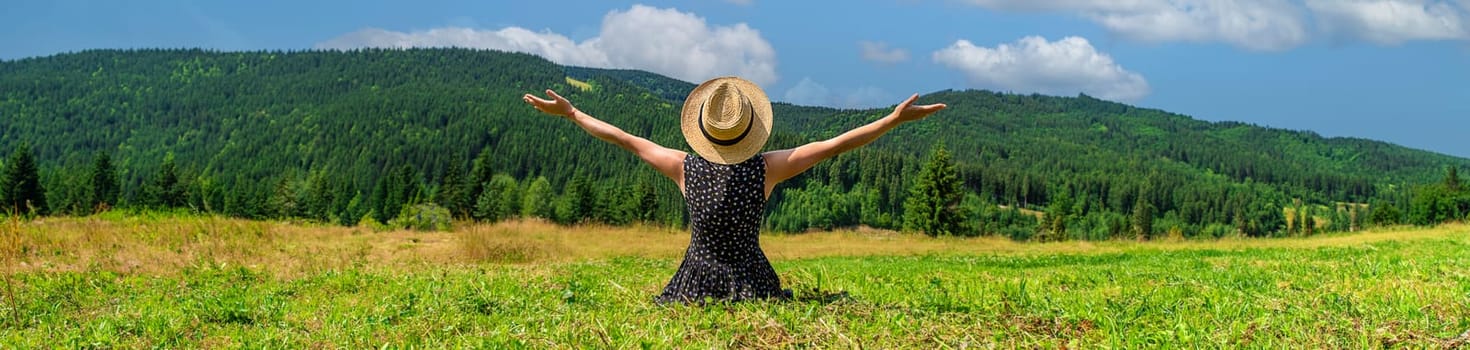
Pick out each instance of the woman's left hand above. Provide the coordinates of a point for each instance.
(907, 111)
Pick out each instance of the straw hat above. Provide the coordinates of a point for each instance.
(727, 120)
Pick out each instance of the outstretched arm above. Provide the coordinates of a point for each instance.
(787, 163)
(670, 162)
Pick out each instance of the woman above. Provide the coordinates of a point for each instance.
(726, 121)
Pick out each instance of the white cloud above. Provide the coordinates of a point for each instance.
(683, 46)
(879, 52)
(1252, 24)
(665, 41)
(1265, 25)
(1393, 21)
(1033, 64)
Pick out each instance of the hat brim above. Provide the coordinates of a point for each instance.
(760, 126)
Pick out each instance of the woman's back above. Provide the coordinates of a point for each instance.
(724, 260)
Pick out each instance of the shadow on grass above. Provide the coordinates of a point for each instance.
(817, 296)
(813, 296)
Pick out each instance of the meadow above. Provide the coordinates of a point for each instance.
(182, 281)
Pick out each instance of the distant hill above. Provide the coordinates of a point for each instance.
(257, 122)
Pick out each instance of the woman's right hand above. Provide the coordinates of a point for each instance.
(557, 105)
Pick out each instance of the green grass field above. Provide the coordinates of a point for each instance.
(209, 282)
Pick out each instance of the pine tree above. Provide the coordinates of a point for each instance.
(411, 185)
(20, 188)
(608, 207)
(1336, 220)
(499, 200)
(1452, 179)
(243, 201)
(344, 204)
(321, 197)
(480, 174)
(206, 194)
(454, 191)
(487, 207)
(510, 194)
(104, 183)
(932, 206)
(1309, 224)
(1054, 220)
(1237, 218)
(354, 210)
(166, 191)
(1143, 217)
(576, 202)
(395, 191)
(536, 200)
(646, 198)
(284, 202)
(1353, 221)
(379, 202)
(1297, 219)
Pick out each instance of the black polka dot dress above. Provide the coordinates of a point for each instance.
(724, 260)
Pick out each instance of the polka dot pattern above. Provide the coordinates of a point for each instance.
(724, 260)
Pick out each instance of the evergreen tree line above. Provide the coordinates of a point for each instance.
(479, 193)
(936, 203)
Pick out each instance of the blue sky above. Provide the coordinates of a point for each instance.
(1392, 70)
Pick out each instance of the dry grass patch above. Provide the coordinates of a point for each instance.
(165, 246)
(152, 245)
(539, 241)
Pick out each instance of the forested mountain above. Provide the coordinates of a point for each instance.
(337, 136)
